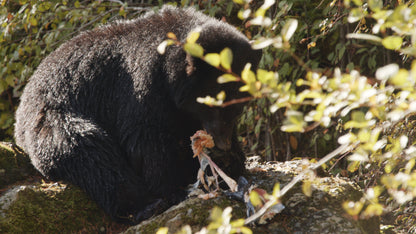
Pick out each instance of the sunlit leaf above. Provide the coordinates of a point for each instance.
(161, 49)
(194, 49)
(255, 198)
(373, 210)
(227, 78)
(353, 208)
(226, 58)
(364, 36)
(353, 166)
(355, 15)
(162, 230)
(247, 75)
(375, 5)
(276, 190)
(383, 73)
(289, 29)
(392, 42)
(245, 230)
(221, 95)
(213, 59)
(307, 188)
(193, 37)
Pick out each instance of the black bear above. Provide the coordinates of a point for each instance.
(107, 112)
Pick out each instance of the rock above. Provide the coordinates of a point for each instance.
(28, 204)
(14, 165)
(319, 213)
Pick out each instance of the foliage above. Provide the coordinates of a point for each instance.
(367, 108)
(30, 30)
(220, 223)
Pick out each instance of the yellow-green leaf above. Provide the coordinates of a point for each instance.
(276, 190)
(392, 42)
(227, 78)
(373, 210)
(255, 198)
(307, 188)
(352, 208)
(194, 49)
(33, 21)
(193, 37)
(226, 56)
(400, 78)
(221, 95)
(77, 4)
(213, 59)
(162, 230)
(245, 230)
(353, 166)
(247, 75)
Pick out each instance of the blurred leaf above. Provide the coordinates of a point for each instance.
(289, 29)
(213, 59)
(364, 36)
(162, 230)
(307, 188)
(194, 49)
(392, 42)
(255, 198)
(225, 78)
(353, 166)
(193, 37)
(353, 208)
(226, 56)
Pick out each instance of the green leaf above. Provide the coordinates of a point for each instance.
(213, 59)
(226, 58)
(392, 42)
(194, 49)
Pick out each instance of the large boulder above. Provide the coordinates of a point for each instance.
(321, 212)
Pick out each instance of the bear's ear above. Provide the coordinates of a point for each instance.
(190, 66)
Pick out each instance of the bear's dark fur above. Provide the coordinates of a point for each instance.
(108, 113)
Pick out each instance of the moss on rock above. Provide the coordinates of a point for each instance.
(53, 208)
(14, 165)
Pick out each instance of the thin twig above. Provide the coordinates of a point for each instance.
(341, 149)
